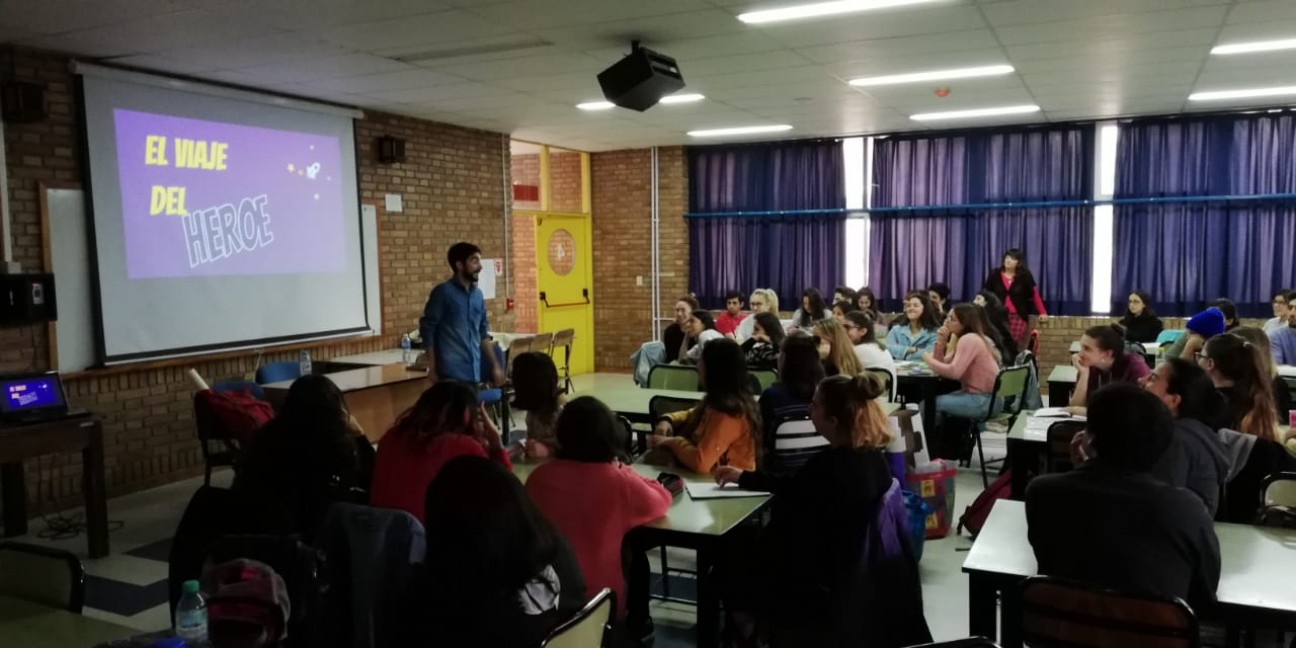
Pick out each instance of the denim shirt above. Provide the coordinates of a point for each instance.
(453, 326)
(901, 338)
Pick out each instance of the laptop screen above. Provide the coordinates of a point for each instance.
(31, 393)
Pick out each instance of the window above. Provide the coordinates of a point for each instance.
(1104, 189)
(857, 150)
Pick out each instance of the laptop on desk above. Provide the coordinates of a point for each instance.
(34, 398)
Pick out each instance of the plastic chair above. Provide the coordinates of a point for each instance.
(278, 372)
(543, 342)
(563, 340)
(676, 377)
(888, 382)
(764, 377)
(1278, 489)
(970, 642)
(219, 447)
(659, 406)
(795, 441)
(587, 628)
(1058, 612)
(1168, 337)
(1060, 434)
(1008, 402)
(239, 385)
(42, 575)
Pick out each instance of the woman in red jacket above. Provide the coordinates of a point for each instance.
(591, 496)
(445, 423)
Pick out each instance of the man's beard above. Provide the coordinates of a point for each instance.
(470, 277)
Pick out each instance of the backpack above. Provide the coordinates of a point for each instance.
(239, 413)
(247, 604)
(974, 516)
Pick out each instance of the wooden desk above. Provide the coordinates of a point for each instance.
(375, 395)
(33, 625)
(1249, 592)
(1061, 382)
(701, 525)
(70, 435)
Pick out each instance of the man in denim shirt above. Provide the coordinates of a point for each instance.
(453, 326)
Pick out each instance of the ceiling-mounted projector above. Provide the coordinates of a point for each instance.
(641, 79)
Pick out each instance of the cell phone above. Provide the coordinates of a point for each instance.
(671, 482)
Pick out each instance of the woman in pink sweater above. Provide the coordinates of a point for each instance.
(591, 496)
(973, 363)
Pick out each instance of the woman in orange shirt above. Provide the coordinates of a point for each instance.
(725, 428)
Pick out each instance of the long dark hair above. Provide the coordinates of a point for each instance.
(535, 383)
(800, 369)
(727, 387)
(1239, 361)
(314, 407)
(485, 537)
(1148, 313)
(448, 407)
(997, 317)
(704, 316)
(872, 309)
(817, 304)
(930, 320)
(1020, 257)
(864, 322)
(588, 431)
(973, 320)
(1198, 399)
(769, 322)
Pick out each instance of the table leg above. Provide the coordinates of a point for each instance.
(708, 610)
(981, 607)
(1019, 464)
(1059, 394)
(638, 577)
(1010, 618)
(96, 495)
(13, 488)
(929, 408)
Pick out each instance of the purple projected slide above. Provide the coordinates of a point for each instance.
(31, 394)
(202, 198)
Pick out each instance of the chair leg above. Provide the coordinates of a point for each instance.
(665, 573)
(985, 480)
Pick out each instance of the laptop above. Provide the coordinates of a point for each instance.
(34, 398)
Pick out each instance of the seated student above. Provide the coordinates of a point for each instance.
(1281, 393)
(866, 301)
(590, 496)
(728, 322)
(675, 336)
(939, 294)
(536, 391)
(1238, 371)
(762, 348)
(800, 371)
(724, 429)
(762, 300)
(835, 349)
(1200, 327)
(840, 309)
(812, 309)
(1282, 309)
(1140, 321)
(311, 455)
(1110, 522)
(1103, 360)
(805, 581)
(844, 294)
(916, 333)
(1282, 340)
(497, 573)
(972, 363)
(699, 330)
(1195, 459)
(446, 422)
(1230, 311)
(871, 353)
(996, 318)
(666, 350)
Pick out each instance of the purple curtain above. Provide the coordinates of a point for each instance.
(1189, 254)
(787, 252)
(913, 249)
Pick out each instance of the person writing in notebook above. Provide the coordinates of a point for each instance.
(454, 328)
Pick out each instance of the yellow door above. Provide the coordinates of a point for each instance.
(566, 283)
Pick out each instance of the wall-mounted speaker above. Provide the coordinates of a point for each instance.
(23, 102)
(391, 149)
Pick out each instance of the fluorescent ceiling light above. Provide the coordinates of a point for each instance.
(822, 9)
(1242, 94)
(1256, 46)
(739, 130)
(934, 75)
(682, 98)
(596, 105)
(976, 112)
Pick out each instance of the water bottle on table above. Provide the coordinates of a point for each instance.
(405, 349)
(191, 615)
(305, 363)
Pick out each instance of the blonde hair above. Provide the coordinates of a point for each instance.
(770, 297)
(843, 351)
(852, 400)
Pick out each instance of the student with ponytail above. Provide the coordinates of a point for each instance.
(820, 519)
(1238, 371)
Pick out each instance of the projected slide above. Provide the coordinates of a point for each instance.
(204, 198)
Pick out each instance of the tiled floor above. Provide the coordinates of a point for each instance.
(129, 586)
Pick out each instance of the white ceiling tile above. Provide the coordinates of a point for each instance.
(687, 50)
(744, 63)
(883, 65)
(532, 66)
(1114, 25)
(930, 45)
(1255, 31)
(891, 23)
(762, 77)
(318, 14)
(63, 16)
(437, 94)
(403, 80)
(430, 30)
(543, 14)
(324, 68)
(1021, 12)
(1254, 11)
(154, 33)
(655, 32)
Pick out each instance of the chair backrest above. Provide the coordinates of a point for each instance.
(970, 642)
(1278, 489)
(278, 372)
(585, 629)
(42, 575)
(1033, 344)
(1058, 458)
(764, 377)
(1057, 612)
(1010, 389)
(659, 406)
(542, 342)
(677, 377)
(517, 347)
(1168, 337)
(888, 382)
(794, 442)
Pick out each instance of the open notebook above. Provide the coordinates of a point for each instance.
(711, 490)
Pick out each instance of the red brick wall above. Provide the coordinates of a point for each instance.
(524, 169)
(526, 315)
(453, 187)
(622, 206)
(564, 181)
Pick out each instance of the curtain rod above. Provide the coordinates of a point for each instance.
(1043, 204)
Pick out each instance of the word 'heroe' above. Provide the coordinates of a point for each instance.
(226, 230)
(189, 153)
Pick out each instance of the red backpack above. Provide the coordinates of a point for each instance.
(974, 516)
(237, 415)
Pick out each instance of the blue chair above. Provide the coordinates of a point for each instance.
(1169, 336)
(239, 385)
(494, 397)
(278, 372)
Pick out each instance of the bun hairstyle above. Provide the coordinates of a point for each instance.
(1240, 361)
(852, 401)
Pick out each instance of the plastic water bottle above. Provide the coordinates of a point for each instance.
(191, 615)
(405, 349)
(305, 363)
